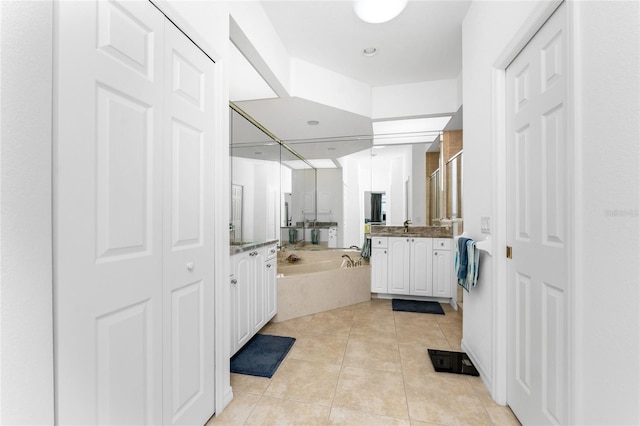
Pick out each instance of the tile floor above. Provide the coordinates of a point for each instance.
(364, 365)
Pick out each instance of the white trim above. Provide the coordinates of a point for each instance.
(538, 17)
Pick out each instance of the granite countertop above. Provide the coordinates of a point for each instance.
(246, 246)
(414, 231)
(311, 225)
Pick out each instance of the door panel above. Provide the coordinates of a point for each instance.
(188, 200)
(537, 213)
(108, 213)
(421, 267)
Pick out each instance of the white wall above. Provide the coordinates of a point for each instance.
(607, 284)
(487, 29)
(416, 99)
(606, 322)
(26, 293)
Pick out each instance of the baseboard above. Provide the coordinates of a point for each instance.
(228, 397)
(481, 369)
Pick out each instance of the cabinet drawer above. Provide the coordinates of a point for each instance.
(442, 243)
(271, 251)
(378, 242)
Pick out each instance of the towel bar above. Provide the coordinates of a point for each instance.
(484, 245)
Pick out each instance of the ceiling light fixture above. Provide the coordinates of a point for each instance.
(313, 122)
(369, 51)
(378, 11)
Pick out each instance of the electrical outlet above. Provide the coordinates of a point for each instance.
(485, 224)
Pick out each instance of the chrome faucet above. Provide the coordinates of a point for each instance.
(406, 225)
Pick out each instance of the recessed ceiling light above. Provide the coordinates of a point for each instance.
(369, 51)
(313, 122)
(378, 11)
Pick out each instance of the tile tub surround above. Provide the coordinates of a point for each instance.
(364, 365)
(414, 231)
(317, 283)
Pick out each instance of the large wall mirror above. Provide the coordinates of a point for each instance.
(320, 193)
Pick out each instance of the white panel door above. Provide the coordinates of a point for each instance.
(188, 227)
(108, 213)
(537, 227)
(399, 263)
(421, 282)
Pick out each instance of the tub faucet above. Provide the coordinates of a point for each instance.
(406, 225)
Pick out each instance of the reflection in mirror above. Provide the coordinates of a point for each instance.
(255, 180)
(324, 209)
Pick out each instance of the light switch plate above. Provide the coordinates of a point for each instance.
(485, 224)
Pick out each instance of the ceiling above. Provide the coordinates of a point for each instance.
(423, 43)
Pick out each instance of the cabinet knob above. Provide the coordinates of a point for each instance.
(435, 253)
(190, 266)
(268, 265)
(234, 281)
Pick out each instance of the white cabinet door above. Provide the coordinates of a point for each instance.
(241, 301)
(399, 263)
(271, 288)
(258, 289)
(421, 266)
(379, 270)
(442, 269)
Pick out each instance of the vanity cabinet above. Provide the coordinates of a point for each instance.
(253, 293)
(413, 266)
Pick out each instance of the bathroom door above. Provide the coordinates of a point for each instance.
(537, 211)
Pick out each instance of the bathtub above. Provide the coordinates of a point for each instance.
(318, 282)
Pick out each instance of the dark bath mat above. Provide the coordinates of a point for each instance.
(417, 306)
(452, 362)
(262, 355)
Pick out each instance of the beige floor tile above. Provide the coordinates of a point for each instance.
(373, 352)
(414, 319)
(374, 315)
(238, 411)
(291, 328)
(453, 334)
(320, 348)
(249, 384)
(501, 415)
(332, 326)
(371, 391)
(385, 329)
(305, 381)
(443, 398)
(278, 411)
(344, 416)
(376, 304)
(415, 358)
(429, 335)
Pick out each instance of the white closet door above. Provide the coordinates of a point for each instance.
(537, 212)
(108, 213)
(188, 229)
